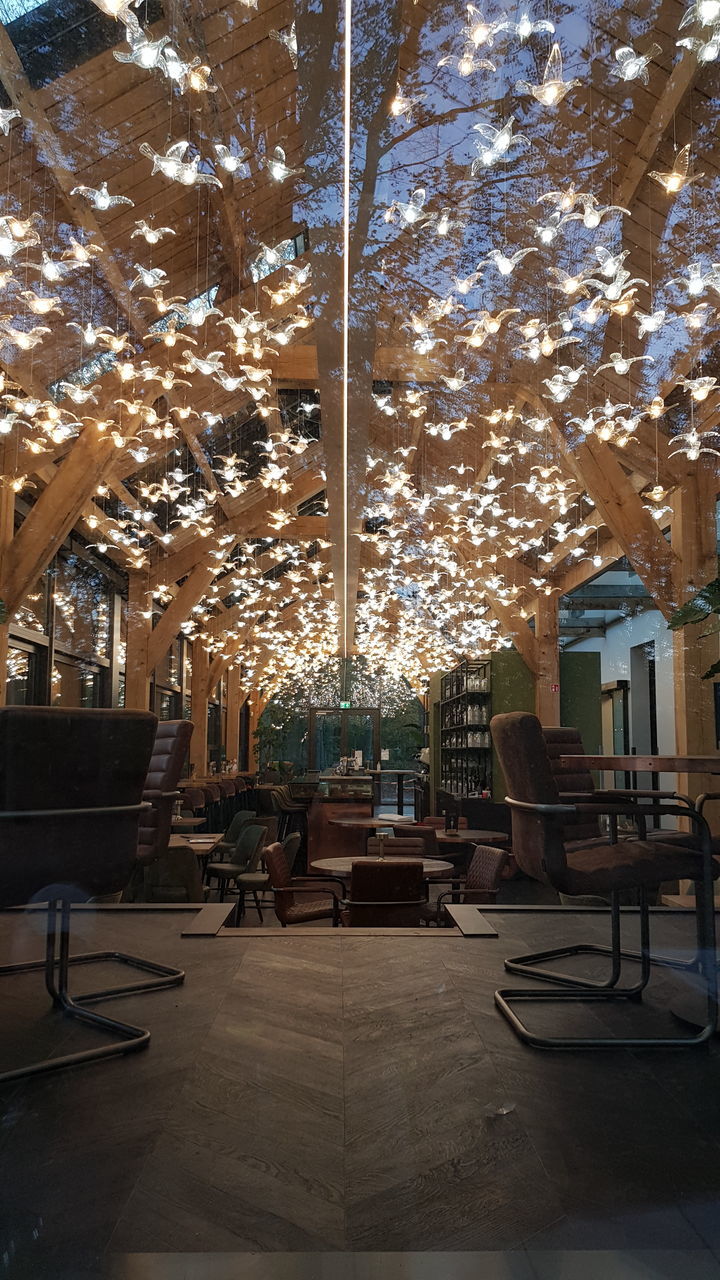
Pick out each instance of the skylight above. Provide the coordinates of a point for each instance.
(287, 250)
(94, 368)
(10, 10)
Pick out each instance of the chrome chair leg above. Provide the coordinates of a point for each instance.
(705, 926)
(56, 964)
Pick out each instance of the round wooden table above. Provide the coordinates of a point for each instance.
(186, 824)
(469, 835)
(369, 824)
(343, 866)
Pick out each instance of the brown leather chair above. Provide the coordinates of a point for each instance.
(577, 780)
(387, 894)
(480, 885)
(71, 786)
(604, 868)
(318, 899)
(170, 749)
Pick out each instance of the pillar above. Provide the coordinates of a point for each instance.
(137, 676)
(693, 534)
(232, 718)
(199, 709)
(547, 640)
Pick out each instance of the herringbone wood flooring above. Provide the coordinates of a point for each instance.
(308, 1093)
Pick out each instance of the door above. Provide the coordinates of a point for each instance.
(335, 733)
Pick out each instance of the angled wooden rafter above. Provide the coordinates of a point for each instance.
(56, 511)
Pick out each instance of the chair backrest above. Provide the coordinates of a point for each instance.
(240, 820)
(280, 878)
(398, 847)
(386, 894)
(193, 798)
(291, 845)
(170, 748)
(426, 834)
(59, 760)
(537, 842)
(249, 847)
(563, 741)
(484, 874)
(439, 823)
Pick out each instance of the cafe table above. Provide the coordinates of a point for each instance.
(370, 823)
(468, 835)
(646, 763)
(343, 866)
(186, 824)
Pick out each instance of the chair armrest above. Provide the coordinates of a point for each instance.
(376, 902)
(313, 882)
(294, 888)
(702, 800)
(620, 793)
(629, 809)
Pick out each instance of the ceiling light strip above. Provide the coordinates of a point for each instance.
(346, 308)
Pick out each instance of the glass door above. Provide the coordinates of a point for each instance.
(325, 739)
(360, 736)
(335, 734)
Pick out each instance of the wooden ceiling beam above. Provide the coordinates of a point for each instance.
(185, 25)
(195, 586)
(250, 513)
(50, 150)
(56, 511)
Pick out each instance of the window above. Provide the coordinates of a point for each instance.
(100, 364)
(19, 677)
(82, 609)
(74, 684)
(51, 39)
(286, 250)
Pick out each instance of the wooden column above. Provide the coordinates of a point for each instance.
(547, 677)
(232, 718)
(199, 709)
(694, 539)
(137, 675)
(256, 706)
(7, 520)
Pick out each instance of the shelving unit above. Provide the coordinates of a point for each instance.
(465, 746)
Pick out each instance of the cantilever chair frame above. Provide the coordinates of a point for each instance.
(526, 965)
(58, 959)
(567, 988)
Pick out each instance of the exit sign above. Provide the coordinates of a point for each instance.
(344, 706)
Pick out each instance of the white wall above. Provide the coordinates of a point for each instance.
(614, 649)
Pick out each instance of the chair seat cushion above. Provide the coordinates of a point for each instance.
(314, 909)
(253, 879)
(684, 838)
(601, 868)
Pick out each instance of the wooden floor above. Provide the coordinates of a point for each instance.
(361, 1095)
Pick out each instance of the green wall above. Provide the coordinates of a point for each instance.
(513, 690)
(580, 697)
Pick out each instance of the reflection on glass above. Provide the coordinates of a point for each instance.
(18, 677)
(360, 736)
(82, 608)
(32, 614)
(327, 740)
(74, 685)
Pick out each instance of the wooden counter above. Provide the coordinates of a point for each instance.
(326, 841)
